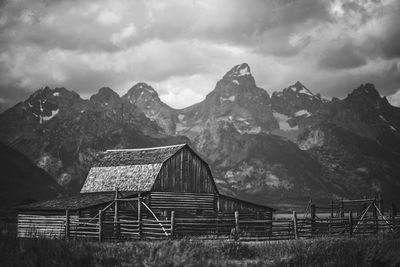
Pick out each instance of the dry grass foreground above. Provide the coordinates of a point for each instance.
(372, 251)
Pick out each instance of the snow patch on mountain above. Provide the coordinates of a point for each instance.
(239, 71)
(231, 99)
(283, 122)
(53, 114)
(56, 94)
(383, 118)
(302, 113)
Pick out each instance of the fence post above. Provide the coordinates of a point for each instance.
(393, 213)
(139, 217)
(312, 219)
(296, 233)
(350, 223)
(116, 214)
(331, 219)
(172, 223)
(237, 228)
(100, 225)
(67, 225)
(341, 208)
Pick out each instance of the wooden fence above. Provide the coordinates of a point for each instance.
(221, 226)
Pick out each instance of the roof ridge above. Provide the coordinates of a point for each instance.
(147, 148)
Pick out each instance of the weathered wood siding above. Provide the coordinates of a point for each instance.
(227, 204)
(169, 201)
(185, 172)
(41, 224)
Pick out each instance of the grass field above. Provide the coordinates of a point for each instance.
(372, 251)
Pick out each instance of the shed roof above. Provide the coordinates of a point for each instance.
(73, 203)
(128, 169)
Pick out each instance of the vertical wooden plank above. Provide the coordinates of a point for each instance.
(116, 214)
(350, 223)
(218, 203)
(100, 225)
(296, 233)
(331, 218)
(341, 208)
(139, 216)
(172, 223)
(67, 224)
(237, 227)
(393, 213)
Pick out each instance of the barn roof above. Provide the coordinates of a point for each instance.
(140, 156)
(128, 169)
(72, 203)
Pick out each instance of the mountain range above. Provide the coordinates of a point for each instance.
(280, 149)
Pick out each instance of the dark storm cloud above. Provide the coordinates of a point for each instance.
(345, 57)
(386, 80)
(390, 39)
(183, 47)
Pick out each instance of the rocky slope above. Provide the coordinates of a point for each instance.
(147, 100)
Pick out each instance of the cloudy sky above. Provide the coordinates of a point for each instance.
(182, 48)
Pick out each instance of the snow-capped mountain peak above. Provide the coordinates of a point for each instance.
(299, 88)
(239, 74)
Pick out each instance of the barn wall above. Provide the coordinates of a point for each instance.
(230, 205)
(184, 172)
(41, 224)
(169, 201)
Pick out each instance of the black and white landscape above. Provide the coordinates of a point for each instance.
(199, 133)
(286, 100)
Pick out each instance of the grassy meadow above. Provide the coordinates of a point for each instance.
(371, 251)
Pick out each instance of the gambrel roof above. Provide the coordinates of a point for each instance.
(128, 169)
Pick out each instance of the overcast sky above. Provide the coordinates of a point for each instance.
(182, 48)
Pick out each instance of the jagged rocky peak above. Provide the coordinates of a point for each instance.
(141, 92)
(47, 92)
(240, 75)
(296, 100)
(144, 97)
(47, 103)
(299, 88)
(105, 95)
(366, 92)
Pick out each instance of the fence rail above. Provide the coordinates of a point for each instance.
(235, 226)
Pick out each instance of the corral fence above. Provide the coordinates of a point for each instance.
(340, 218)
(222, 226)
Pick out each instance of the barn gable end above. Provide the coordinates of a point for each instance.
(185, 172)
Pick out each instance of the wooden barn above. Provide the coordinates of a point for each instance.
(143, 193)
